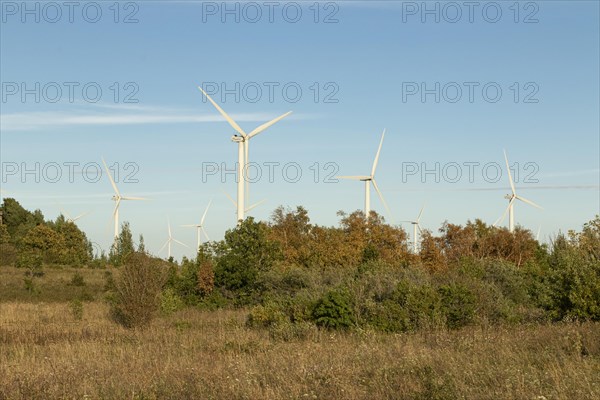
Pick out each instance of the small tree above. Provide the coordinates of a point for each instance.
(137, 290)
(122, 247)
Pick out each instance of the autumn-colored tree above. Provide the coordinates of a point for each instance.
(293, 231)
(431, 252)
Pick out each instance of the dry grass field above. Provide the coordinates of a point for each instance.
(46, 353)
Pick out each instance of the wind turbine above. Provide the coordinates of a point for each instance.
(416, 226)
(243, 142)
(368, 180)
(511, 201)
(117, 198)
(169, 241)
(200, 227)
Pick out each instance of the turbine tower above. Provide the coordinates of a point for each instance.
(200, 227)
(117, 198)
(511, 201)
(169, 241)
(368, 180)
(416, 226)
(243, 143)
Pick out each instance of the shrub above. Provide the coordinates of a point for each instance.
(137, 290)
(77, 280)
(334, 310)
(76, 308)
(170, 301)
(458, 305)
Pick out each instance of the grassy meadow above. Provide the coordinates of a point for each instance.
(51, 349)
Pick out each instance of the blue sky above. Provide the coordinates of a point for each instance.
(367, 61)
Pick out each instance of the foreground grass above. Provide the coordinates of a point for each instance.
(46, 354)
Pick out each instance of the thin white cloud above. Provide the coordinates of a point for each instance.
(30, 121)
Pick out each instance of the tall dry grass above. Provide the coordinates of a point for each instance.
(45, 353)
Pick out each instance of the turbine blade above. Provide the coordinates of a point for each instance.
(512, 184)
(163, 247)
(255, 205)
(264, 126)
(189, 226)
(354, 177)
(133, 198)
(420, 213)
(169, 227)
(377, 155)
(81, 216)
(183, 244)
(419, 228)
(245, 171)
(112, 182)
(499, 220)
(116, 207)
(233, 124)
(205, 211)
(205, 234)
(523, 199)
(230, 198)
(382, 199)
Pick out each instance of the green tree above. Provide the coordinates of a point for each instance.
(245, 253)
(122, 246)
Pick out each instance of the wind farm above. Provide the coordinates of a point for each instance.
(361, 200)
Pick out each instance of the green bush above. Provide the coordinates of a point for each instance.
(458, 305)
(334, 310)
(77, 280)
(170, 302)
(267, 315)
(76, 307)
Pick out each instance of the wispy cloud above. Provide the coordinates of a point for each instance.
(108, 114)
(45, 120)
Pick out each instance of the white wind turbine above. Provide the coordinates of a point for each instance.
(117, 198)
(511, 201)
(416, 226)
(368, 180)
(243, 143)
(200, 227)
(169, 241)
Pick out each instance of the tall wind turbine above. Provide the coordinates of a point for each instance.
(200, 227)
(169, 241)
(511, 201)
(368, 180)
(416, 226)
(117, 198)
(243, 143)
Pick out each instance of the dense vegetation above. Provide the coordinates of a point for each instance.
(293, 276)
